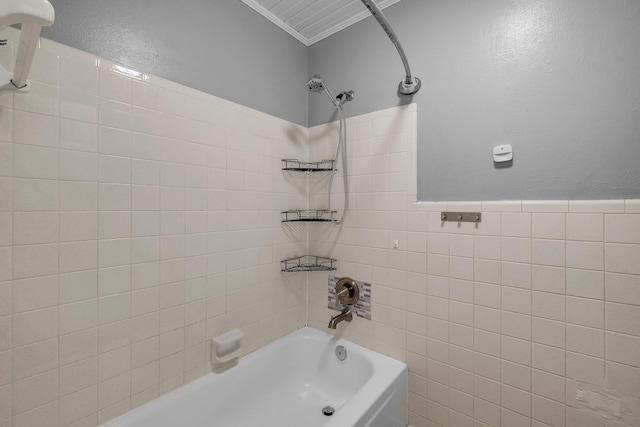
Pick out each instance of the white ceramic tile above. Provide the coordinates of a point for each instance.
(622, 288)
(34, 293)
(114, 224)
(549, 359)
(116, 142)
(35, 260)
(585, 283)
(516, 224)
(585, 255)
(516, 325)
(632, 206)
(587, 341)
(548, 225)
(113, 308)
(34, 391)
(585, 227)
(34, 359)
(114, 197)
(548, 305)
(6, 158)
(114, 252)
(5, 298)
(78, 316)
(114, 169)
(549, 252)
(487, 271)
(6, 191)
(622, 258)
(623, 378)
(77, 135)
(35, 227)
(516, 400)
(545, 205)
(516, 274)
(623, 348)
(622, 228)
(585, 368)
(548, 279)
(45, 67)
(516, 350)
(78, 196)
(502, 206)
(114, 390)
(145, 249)
(516, 249)
(548, 411)
(596, 206)
(5, 338)
(79, 73)
(79, 405)
(78, 346)
(6, 124)
(78, 166)
(78, 256)
(487, 247)
(78, 106)
(78, 226)
(35, 162)
(78, 286)
(33, 326)
(43, 98)
(115, 114)
(114, 86)
(35, 195)
(487, 295)
(585, 312)
(622, 318)
(548, 332)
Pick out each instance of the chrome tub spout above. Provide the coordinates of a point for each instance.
(345, 316)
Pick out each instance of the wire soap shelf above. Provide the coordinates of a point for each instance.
(308, 263)
(308, 215)
(298, 166)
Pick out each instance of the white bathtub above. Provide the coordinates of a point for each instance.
(287, 384)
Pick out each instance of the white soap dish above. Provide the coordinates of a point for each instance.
(227, 346)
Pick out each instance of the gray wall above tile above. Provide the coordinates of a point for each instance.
(558, 80)
(220, 47)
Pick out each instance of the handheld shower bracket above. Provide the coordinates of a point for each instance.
(345, 96)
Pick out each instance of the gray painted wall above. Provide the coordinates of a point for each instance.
(557, 79)
(220, 47)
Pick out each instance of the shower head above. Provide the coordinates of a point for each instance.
(316, 85)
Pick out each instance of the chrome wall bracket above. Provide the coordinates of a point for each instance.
(461, 216)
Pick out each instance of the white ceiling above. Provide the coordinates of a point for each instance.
(312, 20)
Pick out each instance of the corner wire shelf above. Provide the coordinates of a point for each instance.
(308, 215)
(307, 263)
(298, 166)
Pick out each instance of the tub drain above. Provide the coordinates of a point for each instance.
(327, 411)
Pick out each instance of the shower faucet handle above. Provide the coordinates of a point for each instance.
(347, 291)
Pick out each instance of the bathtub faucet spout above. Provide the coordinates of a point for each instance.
(345, 316)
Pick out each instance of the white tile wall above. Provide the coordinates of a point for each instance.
(138, 219)
(500, 322)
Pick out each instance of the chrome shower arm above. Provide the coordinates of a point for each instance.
(410, 84)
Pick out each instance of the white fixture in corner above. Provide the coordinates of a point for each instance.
(227, 347)
(33, 15)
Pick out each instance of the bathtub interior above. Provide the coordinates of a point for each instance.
(285, 384)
